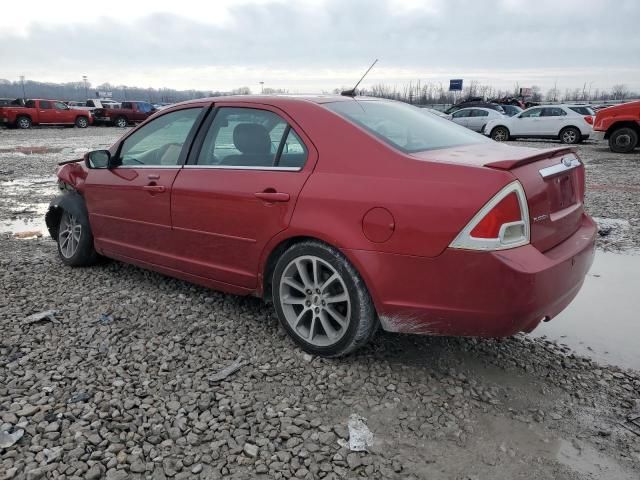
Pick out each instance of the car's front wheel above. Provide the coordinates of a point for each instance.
(570, 135)
(82, 122)
(75, 241)
(500, 134)
(321, 300)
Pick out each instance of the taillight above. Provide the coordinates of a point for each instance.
(502, 223)
(588, 119)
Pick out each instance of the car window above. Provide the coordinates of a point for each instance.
(127, 105)
(60, 106)
(462, 114)
(160, 141)
(45, 105)
(403, 126)
(479, 113)
(553, 112)
(248, 137)
(534, 112)
(583, 110)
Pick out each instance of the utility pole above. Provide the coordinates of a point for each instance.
(261, 87)
(24, 95)
(86, 89)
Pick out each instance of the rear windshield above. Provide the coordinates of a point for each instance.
(407, 128)
(583, 110)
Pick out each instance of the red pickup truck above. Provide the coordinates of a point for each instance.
(43, 112)
(620, 125)
(129, 112)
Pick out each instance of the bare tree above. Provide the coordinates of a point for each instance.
(619, 91)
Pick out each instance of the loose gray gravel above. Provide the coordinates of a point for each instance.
(120, 381)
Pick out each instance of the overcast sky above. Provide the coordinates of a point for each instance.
(311, 46)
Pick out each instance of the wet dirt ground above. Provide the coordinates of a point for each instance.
(115, 385)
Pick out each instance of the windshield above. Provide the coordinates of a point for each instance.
(407, 128)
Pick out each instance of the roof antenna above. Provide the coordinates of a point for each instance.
(352, 92)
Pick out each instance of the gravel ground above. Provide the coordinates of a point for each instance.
(120, 381)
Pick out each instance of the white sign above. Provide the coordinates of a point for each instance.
(104, 94)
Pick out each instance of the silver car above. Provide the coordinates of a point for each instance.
(474, 118)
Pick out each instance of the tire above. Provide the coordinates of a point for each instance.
(23, 122)
(570, 135)
(303, 305)
(623, 140)
(500, 134)
(75, 241)
(121, 122)
(82, 122)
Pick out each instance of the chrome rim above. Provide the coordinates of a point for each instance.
(315, 300)
(623, 140)
(69, 235)
(500, 135)
(82, 122)
(569, 136)
(122, 122)
(24, 123)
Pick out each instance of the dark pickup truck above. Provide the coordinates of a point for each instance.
(129, 112)
(43, 112)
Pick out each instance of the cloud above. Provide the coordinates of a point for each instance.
(291, 42)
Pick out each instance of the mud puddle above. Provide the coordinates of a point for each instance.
(602, 321)
(35, 150)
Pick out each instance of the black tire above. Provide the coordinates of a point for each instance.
(121, 122)
(500, 134)
(84, 254)
(23, 122)
(82, 122)
(362, 322)
(570, 135)
(623, 140)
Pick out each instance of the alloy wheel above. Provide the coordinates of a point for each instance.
(69, 235)
(121, 122)
(569, 136)
(500, 135)
(23, 123)
(315, 300)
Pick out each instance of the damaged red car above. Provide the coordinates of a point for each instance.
(349, 214)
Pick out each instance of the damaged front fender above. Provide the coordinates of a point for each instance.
(73, 203)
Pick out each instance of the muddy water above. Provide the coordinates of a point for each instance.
(603, 322)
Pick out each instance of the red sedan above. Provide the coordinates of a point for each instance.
(348, 213)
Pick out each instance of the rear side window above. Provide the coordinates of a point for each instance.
(553, 112)
(405, 127)
(160, 142)
(480, 113)
(534, 112)
(248, 137)
(462, 114)
(45, 105)
(127, 105)
(583, 110)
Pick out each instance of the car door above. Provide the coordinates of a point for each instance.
(129, 204)
(552, 120)
(238, 190)
(63, 113)
(478, 119)
(46, 112)
(527, 123)
(461, 117)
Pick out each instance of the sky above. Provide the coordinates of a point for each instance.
(313, 46)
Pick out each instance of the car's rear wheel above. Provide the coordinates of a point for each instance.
(82, 122)
(75, 241)
(570, 135)
(623, 140)
(121, 122)
(23, 122)
(321, 300)
(500, 134)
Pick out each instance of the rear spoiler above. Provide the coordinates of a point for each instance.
(543, 155)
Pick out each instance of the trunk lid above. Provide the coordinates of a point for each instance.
(553, 181)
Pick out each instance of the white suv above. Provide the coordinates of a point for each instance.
(544, 121)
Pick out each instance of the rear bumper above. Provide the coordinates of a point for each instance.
(469, 293)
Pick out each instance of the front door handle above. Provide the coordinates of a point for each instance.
(154, 188)
(272, 196)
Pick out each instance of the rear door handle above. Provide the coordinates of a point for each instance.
(154, 188)
(272, 196)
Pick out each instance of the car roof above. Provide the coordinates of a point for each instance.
(284, 98)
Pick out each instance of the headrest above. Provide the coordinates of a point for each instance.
(251, 139)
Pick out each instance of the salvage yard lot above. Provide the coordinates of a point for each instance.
(117, 384)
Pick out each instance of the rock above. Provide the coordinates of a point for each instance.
(27, 410)
(7, 439)
(113, 474)
(36, 473)
(250, 450)
(197, 468)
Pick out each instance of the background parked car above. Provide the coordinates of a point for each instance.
(585, 110)
(511, 110)
(43, 112)
(620, 125)
(546, 121)
(474, 118)
(474, 103)
(126, 113)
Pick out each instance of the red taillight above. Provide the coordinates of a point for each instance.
(588, 119)
(506, 211)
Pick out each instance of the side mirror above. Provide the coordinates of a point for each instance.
(98, 159)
